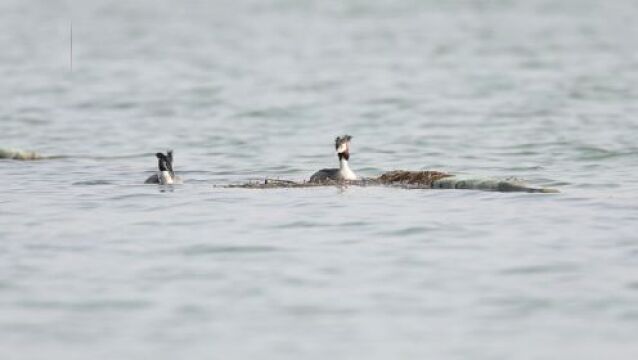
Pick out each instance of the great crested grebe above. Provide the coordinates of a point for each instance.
(165, 175)
(342, 145)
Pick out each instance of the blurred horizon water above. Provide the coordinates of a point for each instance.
(95, 264)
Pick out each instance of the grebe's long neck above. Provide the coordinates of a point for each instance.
(344, 169)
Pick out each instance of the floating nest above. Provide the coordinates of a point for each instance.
(273, 184)
(405, 180)
(283, 184)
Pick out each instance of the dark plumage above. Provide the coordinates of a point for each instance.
(165, 162)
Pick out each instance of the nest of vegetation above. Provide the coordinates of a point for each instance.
(424, 178)
(421, 179)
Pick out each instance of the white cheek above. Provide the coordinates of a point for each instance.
(342, 148)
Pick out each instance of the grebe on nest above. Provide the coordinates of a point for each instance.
(165, 175)
(342, 145)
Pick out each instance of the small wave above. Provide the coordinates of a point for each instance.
(589, 153)
(87, 305)
(538, 269)
(212, 249)
(93, 182)
(412, 230)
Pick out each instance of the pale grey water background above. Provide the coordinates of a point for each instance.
(95, 266)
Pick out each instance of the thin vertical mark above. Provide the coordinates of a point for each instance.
(71, 51)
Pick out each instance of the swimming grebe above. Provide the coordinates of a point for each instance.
(165, 175)
(342, 145)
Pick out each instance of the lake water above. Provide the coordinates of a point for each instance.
(95, 265)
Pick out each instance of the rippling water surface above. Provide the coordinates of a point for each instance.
(95, 265)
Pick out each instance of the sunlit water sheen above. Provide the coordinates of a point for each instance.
(94, 265)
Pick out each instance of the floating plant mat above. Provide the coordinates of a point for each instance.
(25, 155)
(407, 180)
(15, 154)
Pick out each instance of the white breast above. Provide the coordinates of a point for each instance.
(165, 178)
(345, 171)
